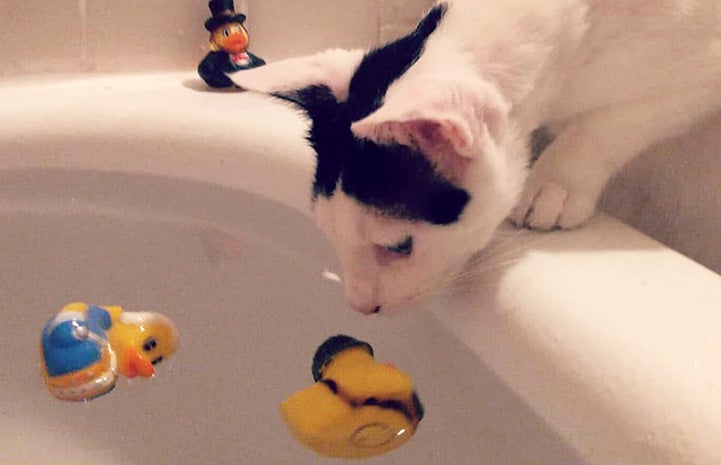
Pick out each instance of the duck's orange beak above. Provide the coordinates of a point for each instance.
(235, 43)
(136, 365)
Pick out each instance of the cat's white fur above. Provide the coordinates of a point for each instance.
(609, 77)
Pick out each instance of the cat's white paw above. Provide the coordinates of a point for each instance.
(547, 205)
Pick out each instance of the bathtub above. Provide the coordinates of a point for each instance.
(594, 346)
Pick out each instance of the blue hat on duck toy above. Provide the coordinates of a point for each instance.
(223, 12)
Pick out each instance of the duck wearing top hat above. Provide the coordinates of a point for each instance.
(229, 42)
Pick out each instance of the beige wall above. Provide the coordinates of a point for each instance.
(112, 35)
(673, 193)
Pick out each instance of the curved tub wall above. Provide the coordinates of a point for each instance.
(76, 123)
(594, 346)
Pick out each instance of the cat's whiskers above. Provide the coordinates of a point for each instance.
(503, 252)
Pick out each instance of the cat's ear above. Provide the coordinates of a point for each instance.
(332, 69)
(449, 120)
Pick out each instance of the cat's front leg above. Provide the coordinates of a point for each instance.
(568, 179)
(564, 184)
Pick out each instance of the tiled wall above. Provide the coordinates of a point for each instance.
(117, 35)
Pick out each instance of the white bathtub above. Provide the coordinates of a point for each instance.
(597, 346)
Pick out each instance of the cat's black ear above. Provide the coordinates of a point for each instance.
(317, 100)
(331, 69)
(450, 120)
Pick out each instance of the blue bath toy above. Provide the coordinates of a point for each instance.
(85, 348)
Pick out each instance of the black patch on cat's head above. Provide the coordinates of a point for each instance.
(400, 182)
(392, 179)
(382, 66)
(329, 134)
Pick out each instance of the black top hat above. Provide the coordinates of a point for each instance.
(223, 12)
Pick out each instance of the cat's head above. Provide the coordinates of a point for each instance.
(413, 175)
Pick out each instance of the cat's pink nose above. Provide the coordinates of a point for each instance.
(365, 309)
(361, 295)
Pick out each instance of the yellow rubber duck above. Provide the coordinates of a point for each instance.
(84, 348)
(357, 408)
(141, 340)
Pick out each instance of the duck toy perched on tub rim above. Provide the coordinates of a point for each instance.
(85, 348)
(229, 41)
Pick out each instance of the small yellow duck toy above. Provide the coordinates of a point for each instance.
(357, 408)
(85, 347)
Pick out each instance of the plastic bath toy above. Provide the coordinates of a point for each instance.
(229, 43)
(357, 408)
(85, 348)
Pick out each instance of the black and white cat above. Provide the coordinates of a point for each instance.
(422, 144)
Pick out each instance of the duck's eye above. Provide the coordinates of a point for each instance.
(226, 32)
(404, 247)
(150, 344)
(157, 360)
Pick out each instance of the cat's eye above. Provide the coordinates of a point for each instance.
(404, 247)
